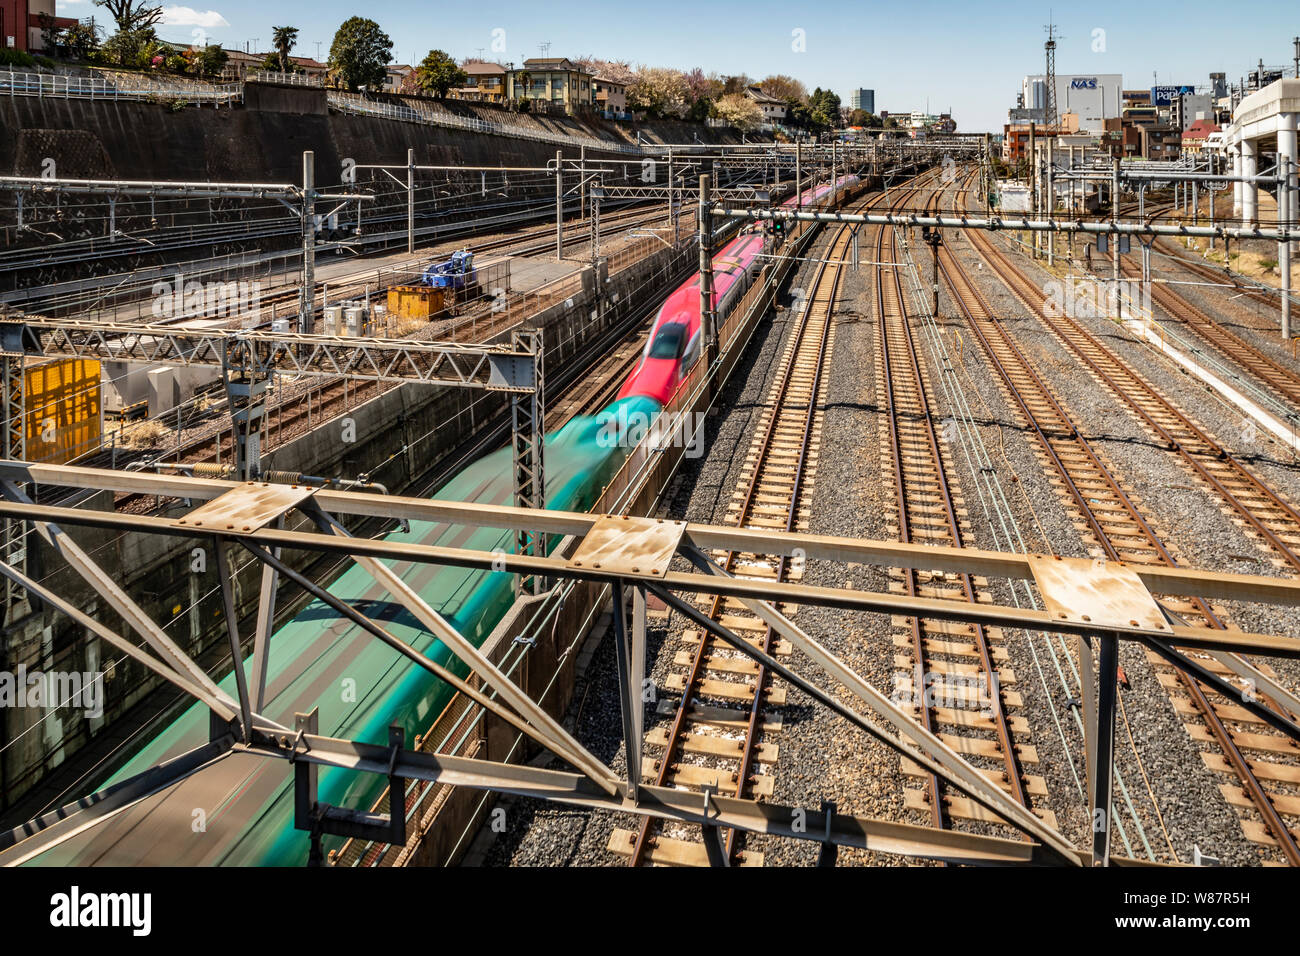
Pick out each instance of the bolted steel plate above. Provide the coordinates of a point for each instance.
(629, 545)
(1106, 594)
(247, 508)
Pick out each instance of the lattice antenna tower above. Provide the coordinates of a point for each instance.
(1050, 115)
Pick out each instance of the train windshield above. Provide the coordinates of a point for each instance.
(668, 342)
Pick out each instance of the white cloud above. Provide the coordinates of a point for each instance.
(189, 17)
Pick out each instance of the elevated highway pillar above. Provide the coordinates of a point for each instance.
(1250, 190)
(1236, 186)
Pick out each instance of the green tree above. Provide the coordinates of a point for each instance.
(81, 40)
(824, 109)
(438, 73)
(51, 38)
(128, 47)
(360, 53)
(283, 39)
(208, 60)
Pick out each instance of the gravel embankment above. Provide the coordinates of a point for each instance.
(1167, 796)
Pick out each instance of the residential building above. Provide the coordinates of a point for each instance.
(774, 109)
(611, 97)
(240, 63)
(1163, 141)
(313, 68)
(396, 75)
(1187, 108)
(1197, 137)
(864, 100)
(486, 83)
(551, 84)
(20, 23)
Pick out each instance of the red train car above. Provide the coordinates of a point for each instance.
(674, 341)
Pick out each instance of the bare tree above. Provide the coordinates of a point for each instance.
(130, 15)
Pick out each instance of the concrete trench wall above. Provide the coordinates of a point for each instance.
(261, 141)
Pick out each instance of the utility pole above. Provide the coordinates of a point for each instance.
(1033, 182)
(707, 316)
(1114, 217)
(672, 198)
(410, 202)
(798, 175)
(559, 205)
(1051, 196)
(307, 292)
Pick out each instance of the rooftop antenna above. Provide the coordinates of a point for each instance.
(1296, 44)
(545, 48)
(1049, 50)
(318, 43)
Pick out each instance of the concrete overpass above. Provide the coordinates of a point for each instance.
(1264, 123)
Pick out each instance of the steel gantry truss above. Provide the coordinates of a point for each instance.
(300, 200)
(1099, 603)
(248, 358)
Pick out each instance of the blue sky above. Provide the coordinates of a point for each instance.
(969, 56)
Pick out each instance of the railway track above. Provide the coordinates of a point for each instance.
(717, 735)
(959, 672)
(1252, 361)
(1262, 765)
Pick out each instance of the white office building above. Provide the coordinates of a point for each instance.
(1093, 97)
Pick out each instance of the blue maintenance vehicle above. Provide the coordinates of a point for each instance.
(456, 273)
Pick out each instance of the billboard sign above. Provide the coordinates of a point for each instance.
(1165, 95)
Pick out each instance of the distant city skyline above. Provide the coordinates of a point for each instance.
(968, 57)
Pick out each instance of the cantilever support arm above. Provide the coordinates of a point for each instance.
(933, 753)
(559, 738)
(118, 599)
(410, 653)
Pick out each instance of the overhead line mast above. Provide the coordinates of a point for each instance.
(1050, 117)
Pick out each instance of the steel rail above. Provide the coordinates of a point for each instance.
(911, 366)
(967, 295)
(699, 656)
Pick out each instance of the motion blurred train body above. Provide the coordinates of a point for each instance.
(360, 687)
(674, 341)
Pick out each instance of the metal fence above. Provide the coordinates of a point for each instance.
(355, 103)
(63, 86)
(287, 79)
